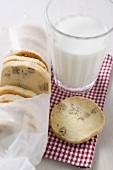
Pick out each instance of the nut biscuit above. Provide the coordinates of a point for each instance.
(76, 119)
(27, 54)
(9, 89)
(27, 75)
(6, 98)
(18, 58)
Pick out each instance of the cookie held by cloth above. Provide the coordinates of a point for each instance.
(15, 90)
(76, 119)
(10, 93)
(6, 98)
(22, 58)
(27, 75)
(27, 54)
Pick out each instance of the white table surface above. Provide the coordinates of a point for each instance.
(103, 158)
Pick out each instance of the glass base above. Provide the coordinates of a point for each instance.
(76, 91)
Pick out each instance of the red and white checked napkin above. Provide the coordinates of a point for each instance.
(80, 155)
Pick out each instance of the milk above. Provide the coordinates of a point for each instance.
(76, 62)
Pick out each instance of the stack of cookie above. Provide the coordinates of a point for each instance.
(24, 75)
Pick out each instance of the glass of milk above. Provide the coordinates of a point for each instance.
(79, 34)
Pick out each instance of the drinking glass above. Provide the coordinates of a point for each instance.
(79, 35)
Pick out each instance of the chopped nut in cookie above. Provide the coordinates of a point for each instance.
(62, 131)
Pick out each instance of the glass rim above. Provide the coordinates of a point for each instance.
(71, 36)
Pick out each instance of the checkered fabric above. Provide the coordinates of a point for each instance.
(80, 155)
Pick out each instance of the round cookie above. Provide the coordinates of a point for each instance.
(6, 98)
(27, 75)
(18, 58)
(9, 89)
(76, 119)
(27, 54)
